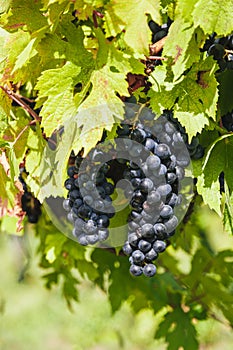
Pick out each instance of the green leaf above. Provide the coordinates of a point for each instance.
(196, 93)
(177, 46)
(228, 211)
(28, 52)
(184, 8)
(98, 110)
(178, 330)
(219, 158)
(24, 14)
(56, 86)
(4, 5)
(137, 34)
(5, 104)
(211, 195)
(193, 123)
(214, 16)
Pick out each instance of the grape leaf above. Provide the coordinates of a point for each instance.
(177, 46)
(56, 86)
(4, 5)
(214, 16)
(211, 195)
(184, 8)
(14, 45)
(23, 13)
(100, 107)
(228, 211)
(85, 8)
(178, 330)
(195, 93)
(193, 123)
(137, 33)
(5, 104)
(219, 158)
(29, 51)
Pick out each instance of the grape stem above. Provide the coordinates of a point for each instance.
(157, 47)
(156, 58)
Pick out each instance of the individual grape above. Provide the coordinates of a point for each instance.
(151, 255)
(138, 256)
(154, 197)
(90, 227)
(108, 187)
(163, 151)
(135, 270)
(149, 270)
(92, 239)
(103, 221)
(159, 35)
(173, 200)
(147, 231)
(72, 170)
(103, 234)
(154, 27)
(153, 162)
(160, 230)
(171, 224)
(69, 184)
(144, 246)
(216, 50)
(171, 178)
(161, 171)
(82, 239)
(77, 203)
(159, 246)
(138, 135)
(127, 249)
(133, 238)
(66, 205)
(150, 144)
(166, 212)
(146, 185)
(84, 211)
(164, 190)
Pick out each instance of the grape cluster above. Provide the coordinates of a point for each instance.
(88, 202)
(152, 156)
(221, 50)
(29, 203)
(155, 178)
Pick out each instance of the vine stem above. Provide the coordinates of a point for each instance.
(23, 130)
(21, 103)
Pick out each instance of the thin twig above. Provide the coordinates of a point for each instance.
(153, 58)
(21, 103)
(24, 129)
(157, 47)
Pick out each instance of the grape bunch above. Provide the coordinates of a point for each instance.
(221, 50)
(88, 201)
(29, 203)
(152, 156)
(155, 178)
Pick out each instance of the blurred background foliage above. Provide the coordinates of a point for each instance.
(33, 317)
